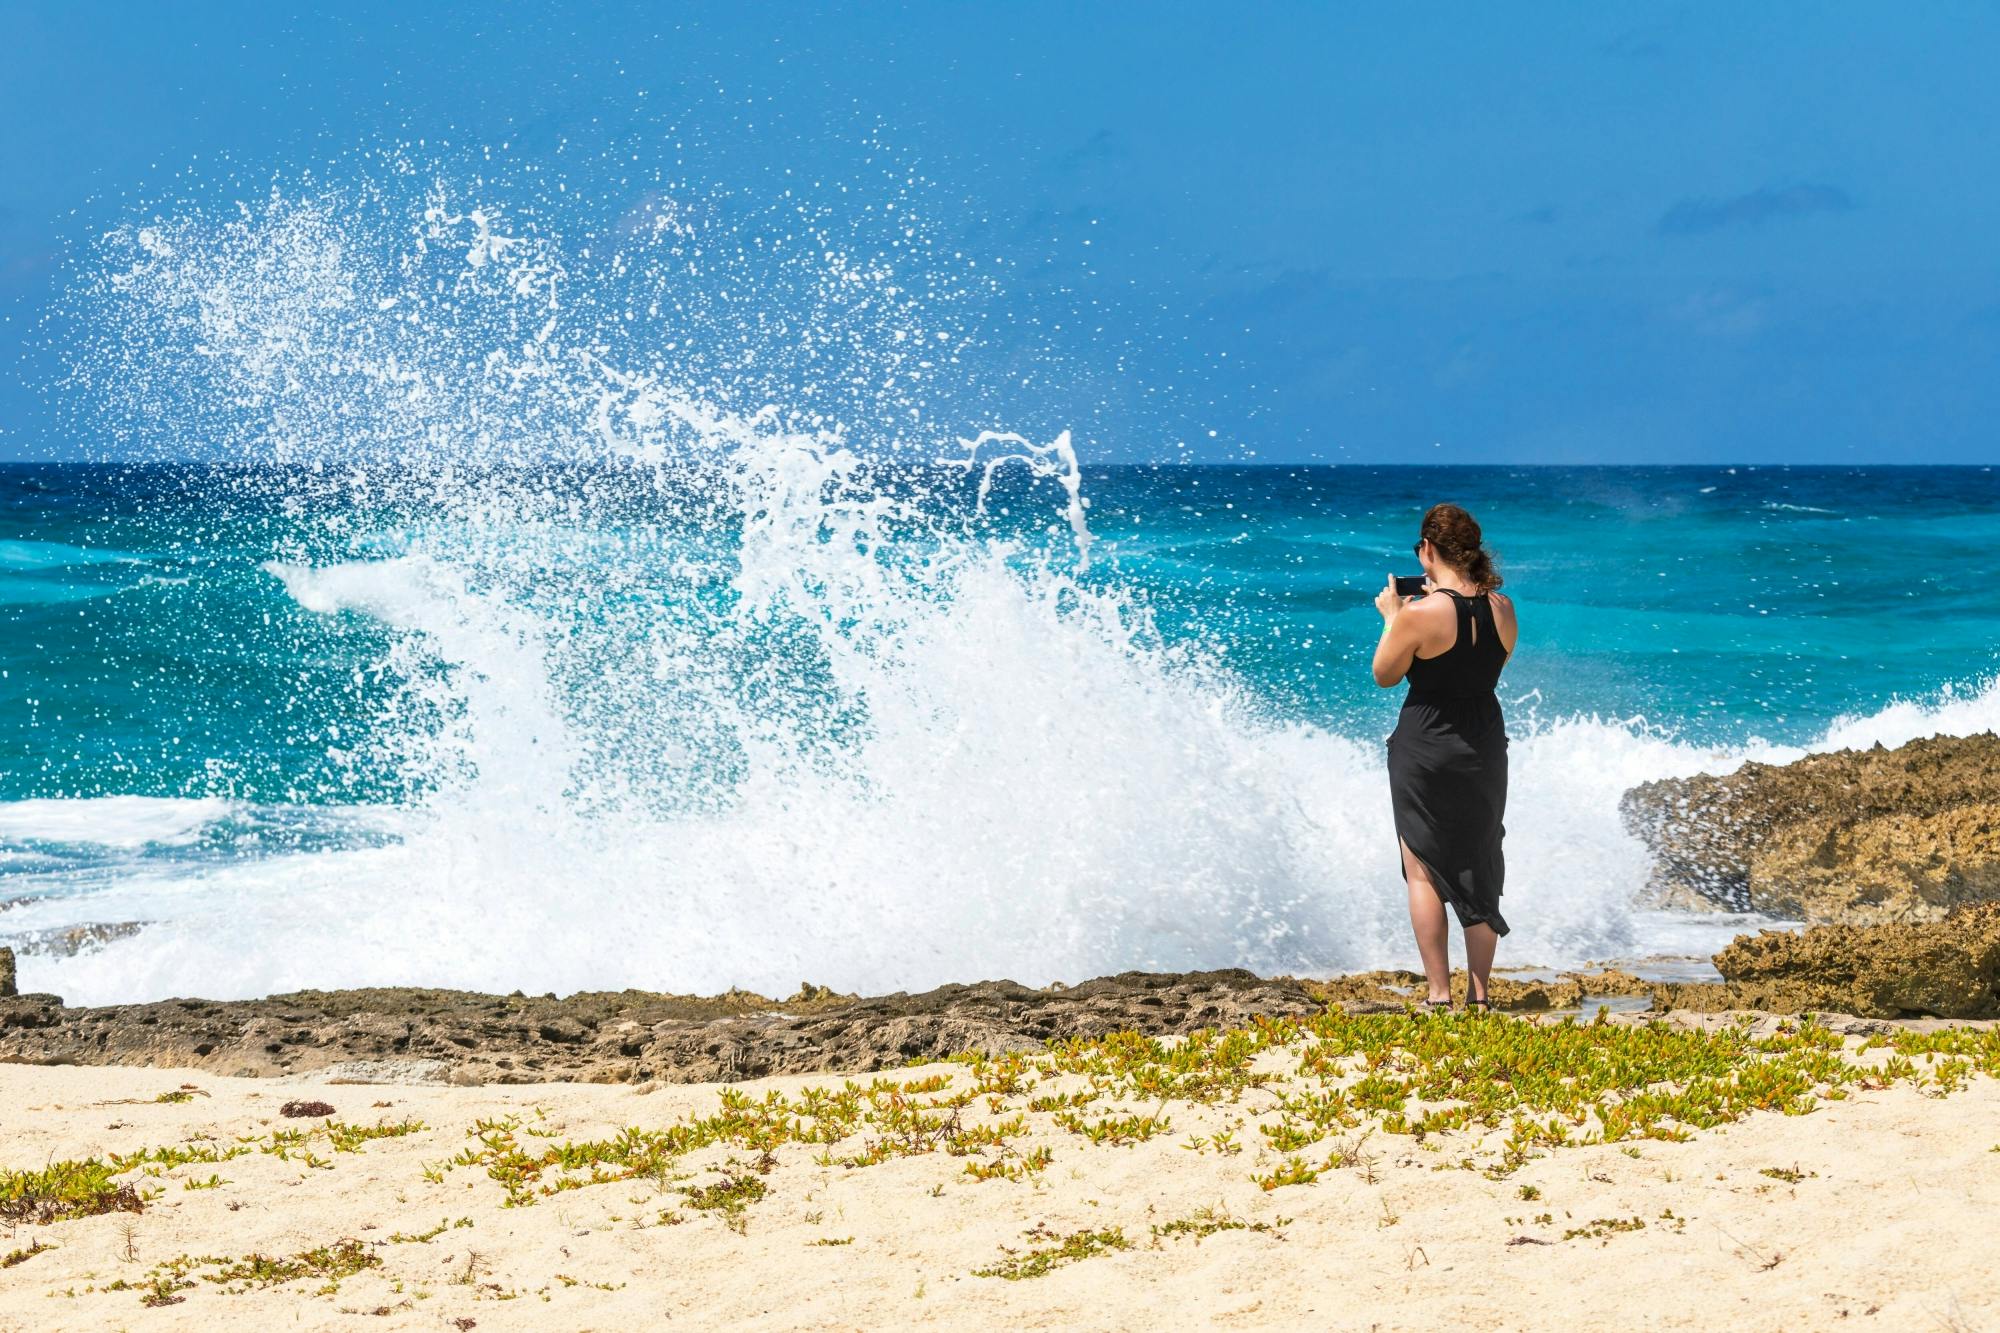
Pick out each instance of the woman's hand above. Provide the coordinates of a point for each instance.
(1388, 603)
(1398, 644)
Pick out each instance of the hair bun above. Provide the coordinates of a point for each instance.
(1455, 535)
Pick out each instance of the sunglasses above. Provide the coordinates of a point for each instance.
(1418, 549)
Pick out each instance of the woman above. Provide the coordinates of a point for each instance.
(1448, 755)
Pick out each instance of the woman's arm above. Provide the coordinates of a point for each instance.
(1402, 635)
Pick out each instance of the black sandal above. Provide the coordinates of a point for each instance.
(1436, 1006)
(1484, 1006)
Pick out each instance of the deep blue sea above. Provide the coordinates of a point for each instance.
(793, 714)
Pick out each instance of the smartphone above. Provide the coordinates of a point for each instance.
(1407, 586)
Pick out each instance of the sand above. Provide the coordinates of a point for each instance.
(1882, 1217)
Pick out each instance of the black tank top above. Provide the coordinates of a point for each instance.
(1470, 668)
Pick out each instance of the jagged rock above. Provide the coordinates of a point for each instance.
(1944, 969)
(1855, 836)
(6, 973)
(628, 1036)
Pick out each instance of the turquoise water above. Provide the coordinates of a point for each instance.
(1717, 604)
(147, 652)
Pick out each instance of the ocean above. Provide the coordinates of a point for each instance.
(629, 726)
(448, 608)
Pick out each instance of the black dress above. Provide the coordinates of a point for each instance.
(1448, 766)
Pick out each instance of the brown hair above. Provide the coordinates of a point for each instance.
(1455, 535)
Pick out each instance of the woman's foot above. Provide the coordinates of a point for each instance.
(1435, 1006)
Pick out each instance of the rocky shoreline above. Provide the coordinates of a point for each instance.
(1943, 969)
(423, 1035)
(1948, 970)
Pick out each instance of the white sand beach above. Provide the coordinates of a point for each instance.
(1873, 1211)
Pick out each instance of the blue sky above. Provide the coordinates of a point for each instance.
(1433, 233)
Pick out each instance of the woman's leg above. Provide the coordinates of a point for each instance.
(1480, 942)
(1433, 933)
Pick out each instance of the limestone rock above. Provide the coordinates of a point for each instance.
(1855, 836)
(421, 1035)
(1943, 969)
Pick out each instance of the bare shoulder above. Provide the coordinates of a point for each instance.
(1432, 624)
(1505, 620)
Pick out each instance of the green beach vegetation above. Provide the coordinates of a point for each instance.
(1499, 1091)
(1484, 1093)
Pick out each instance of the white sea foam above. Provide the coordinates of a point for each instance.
(108, 821)
(1095, 818)
(1953, 712)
